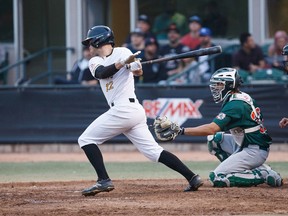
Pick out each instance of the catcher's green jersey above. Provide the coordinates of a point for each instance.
(239, 112)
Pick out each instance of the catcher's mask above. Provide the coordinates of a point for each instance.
(98, 36)
(285, 55)
(222, 82)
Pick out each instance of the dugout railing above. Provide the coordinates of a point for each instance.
(47, 72)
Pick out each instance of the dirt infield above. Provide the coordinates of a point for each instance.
(140, 197)
(137, 197)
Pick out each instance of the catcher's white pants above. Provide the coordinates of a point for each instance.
(129, 119)
(249, 158)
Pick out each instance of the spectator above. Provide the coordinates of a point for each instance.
(162, 21)
(203, 72)
(284, 121)
(275, 57)
(137, 42)
(191, 39)
(250, 57)
(144, 24)
(80, 73)
(151, 71)
(173, 47)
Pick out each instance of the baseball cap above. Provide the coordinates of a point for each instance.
(195, 19)
(144, 18)
(150, 41)
(173, 27)
(205, 32)
(137, 31)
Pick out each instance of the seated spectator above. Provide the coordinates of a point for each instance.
(191, 39)
(137, 42)
(173, 47)
(170, 15)
(250, 57)
(275, 57)
(203, 72)
(143, 23)
(80, 73)
(151, 72)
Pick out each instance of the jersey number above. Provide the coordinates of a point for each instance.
(256, 117)
(109, 86)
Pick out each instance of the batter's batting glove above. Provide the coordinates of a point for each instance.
(166, 130)
(130, 59)
(134, 66)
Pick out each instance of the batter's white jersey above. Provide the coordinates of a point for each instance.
(120, 86)
(126, 115)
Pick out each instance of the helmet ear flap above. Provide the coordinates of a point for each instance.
(95, 42)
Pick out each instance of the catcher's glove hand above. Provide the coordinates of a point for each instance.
(166, 130)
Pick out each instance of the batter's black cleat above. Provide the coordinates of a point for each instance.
(104, 185)
(194, 183)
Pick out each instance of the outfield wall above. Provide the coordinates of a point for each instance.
(60, 114)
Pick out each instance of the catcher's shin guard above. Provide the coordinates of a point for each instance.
(271, 177)
(214, 147)
(244, 179)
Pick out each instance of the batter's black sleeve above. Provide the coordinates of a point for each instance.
(102, 72)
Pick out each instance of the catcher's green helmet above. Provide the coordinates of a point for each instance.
(223, 81)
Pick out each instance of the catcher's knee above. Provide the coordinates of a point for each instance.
(214, 146)
(218, 180)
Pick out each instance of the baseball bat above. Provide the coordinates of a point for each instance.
(190, 54)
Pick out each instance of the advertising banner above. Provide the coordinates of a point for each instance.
(60, 115)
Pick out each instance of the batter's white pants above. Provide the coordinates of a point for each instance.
(129, 119)
(249, 158)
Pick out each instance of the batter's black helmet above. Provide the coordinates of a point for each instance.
(98, 36)
(223, 81)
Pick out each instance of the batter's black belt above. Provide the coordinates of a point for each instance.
(131, 100)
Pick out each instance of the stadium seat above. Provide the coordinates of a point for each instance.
(265, 48)
(245, 75)
(270, 75)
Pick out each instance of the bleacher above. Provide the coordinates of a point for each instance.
(265, 76)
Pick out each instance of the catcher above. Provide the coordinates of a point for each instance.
(245, 149)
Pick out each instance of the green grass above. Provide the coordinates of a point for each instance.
(69, 171)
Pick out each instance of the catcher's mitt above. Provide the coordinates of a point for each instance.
(166, 130)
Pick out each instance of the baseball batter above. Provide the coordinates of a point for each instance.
(245, 149)
(114, 67)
